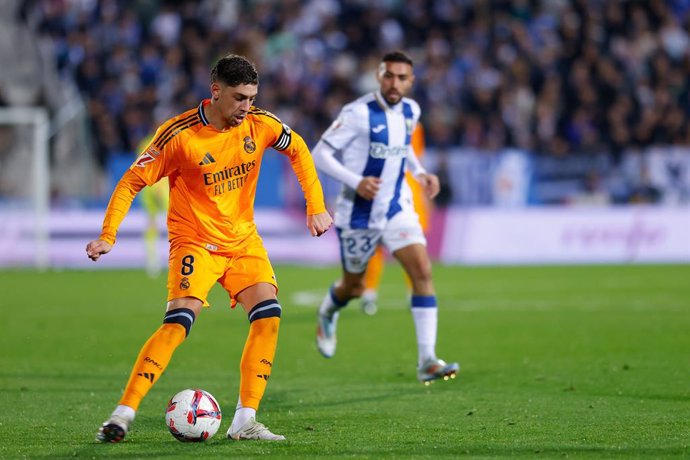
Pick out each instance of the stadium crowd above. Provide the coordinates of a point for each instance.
(558, 77)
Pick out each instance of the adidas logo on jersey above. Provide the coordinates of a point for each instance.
(208, 159)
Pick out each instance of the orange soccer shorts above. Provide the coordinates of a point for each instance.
(193, 270)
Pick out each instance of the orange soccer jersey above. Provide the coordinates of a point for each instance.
(419, 198)
(213, 176)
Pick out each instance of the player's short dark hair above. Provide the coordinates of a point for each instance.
(397, 56)
(234, 70)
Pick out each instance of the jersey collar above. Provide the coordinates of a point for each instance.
(397, 108)
(200, 111)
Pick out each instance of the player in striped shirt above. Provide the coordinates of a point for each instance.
(373, 135)
(211, 156)
(422, 206)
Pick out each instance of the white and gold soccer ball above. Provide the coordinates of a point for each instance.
(193, 415)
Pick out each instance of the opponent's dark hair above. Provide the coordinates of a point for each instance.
(397, 56)
(234, 70)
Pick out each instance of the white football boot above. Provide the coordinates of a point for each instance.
(114, 429)
(369, 307)
(435, 369)
(255, 431)
(325, 334)
(369, 298)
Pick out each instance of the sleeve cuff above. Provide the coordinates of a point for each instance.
(108, 237)
(316, 209)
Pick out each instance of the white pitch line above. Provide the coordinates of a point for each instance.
(312, 299)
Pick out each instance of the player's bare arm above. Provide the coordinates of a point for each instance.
(368, 187)
(96, 248)
(430, 184)
(318, 224)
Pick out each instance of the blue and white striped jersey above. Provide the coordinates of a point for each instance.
(374, 140)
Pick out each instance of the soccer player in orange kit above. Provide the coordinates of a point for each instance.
(212, 155)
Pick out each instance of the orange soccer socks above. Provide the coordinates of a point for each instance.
(259, 350)
(155, 355)
(372, 276)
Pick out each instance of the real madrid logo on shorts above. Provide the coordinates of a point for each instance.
(184, 283)
(249, 145)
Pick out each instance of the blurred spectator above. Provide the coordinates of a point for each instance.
(593, 193)
(645, 192)
(445, 194)
(551, 77)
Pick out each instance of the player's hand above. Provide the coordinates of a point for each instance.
(368, 187)
(318, 224)
(430, 184)
(96, 248)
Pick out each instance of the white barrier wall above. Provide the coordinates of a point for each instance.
(566, 235)
(285, 235)
(549, 235)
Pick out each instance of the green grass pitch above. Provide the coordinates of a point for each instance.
(582, 361)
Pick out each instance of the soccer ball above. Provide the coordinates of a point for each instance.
(193, 415)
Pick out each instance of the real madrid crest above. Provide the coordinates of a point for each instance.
(249, 145)
(184, 283)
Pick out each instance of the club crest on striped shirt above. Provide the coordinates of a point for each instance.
(408, 126)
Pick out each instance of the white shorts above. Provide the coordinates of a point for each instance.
(358, 245)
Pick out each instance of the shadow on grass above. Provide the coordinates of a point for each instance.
(223, 449)
(351, 395)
